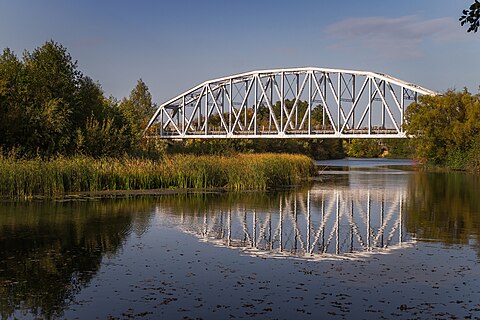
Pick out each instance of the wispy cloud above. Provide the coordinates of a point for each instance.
(398, 36)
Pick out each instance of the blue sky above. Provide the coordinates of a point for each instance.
(174, 45)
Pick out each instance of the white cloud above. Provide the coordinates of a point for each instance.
(402, 36)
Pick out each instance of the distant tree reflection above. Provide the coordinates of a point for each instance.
(444, 206)
(50, 251)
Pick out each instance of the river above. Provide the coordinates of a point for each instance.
(366, 239)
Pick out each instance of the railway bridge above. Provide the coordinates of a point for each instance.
(289, 103)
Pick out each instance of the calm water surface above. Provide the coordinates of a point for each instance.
(368, 239)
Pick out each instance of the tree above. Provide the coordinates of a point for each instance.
(137, 111)
(37, 99)
(101, 138)
(48, 108)
(363, 148)
(12, 79)
(90, 102)
(446, 128)
(49, 99)
(471, 17)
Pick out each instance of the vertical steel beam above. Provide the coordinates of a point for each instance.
(402, 108)
(161, 122)
(178, 115)
(339, 100)
(223, 99)
(370, 100)
(206, 110)
(309, 75)
(183, 114)
(230, 106)
(384, 106)
(199, 114)
(353, 100)
(297, 95)
(282, 99)
(255, 107)
(272, 79)
(325, 101)
(246, 105)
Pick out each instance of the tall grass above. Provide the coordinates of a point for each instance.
(27, 178)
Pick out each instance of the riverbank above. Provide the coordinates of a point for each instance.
(23, 179)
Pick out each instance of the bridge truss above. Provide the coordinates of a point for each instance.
(289, 103)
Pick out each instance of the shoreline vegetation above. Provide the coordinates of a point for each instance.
(60, 134)
(25, 179)
(446, 130)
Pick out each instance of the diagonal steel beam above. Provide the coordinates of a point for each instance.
(243, 105)
(387, 107)
(354, 104)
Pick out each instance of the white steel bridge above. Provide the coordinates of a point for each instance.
(289, 103)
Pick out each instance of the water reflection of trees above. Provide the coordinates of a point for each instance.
(195, 203)
(49, 251)
(445, 207)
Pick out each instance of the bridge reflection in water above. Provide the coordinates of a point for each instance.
(317, 224)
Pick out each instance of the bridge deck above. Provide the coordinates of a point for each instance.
(270, 134)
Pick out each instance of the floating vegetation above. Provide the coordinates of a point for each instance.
(26, 178)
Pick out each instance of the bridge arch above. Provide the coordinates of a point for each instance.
(289, 103)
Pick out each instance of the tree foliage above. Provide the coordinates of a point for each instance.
(374, 148)
(137, 110)
(446, 129)
(363, 148)
(48, 108)
(315, 148)
(471, 17)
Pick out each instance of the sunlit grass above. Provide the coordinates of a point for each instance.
(26, 178)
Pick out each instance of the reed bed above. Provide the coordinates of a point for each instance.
(27, 178)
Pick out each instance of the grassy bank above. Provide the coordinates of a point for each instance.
(26, 178)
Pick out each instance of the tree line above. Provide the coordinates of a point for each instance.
(48, 107)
